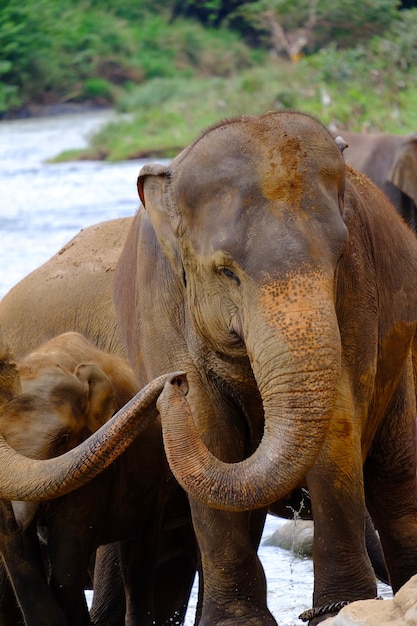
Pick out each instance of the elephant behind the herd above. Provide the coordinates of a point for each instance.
(282, 283)
(390, 161)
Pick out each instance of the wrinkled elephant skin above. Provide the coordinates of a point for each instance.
(282, 282)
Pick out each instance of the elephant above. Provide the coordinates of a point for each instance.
(390, 161)
(59, 394)
(281, 281)
(136, 503)
(280, 300)
(72, 291)
(67, 517)
(41, 480)
(134, 500)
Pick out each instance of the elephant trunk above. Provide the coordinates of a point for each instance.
(23, 478)
(295, 352)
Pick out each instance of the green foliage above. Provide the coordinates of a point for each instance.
(208, 12)
(345, 22)
(173, 76)
(373, 78)
(66, 50)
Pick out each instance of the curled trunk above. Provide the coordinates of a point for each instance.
(298, 387)
(22, 478)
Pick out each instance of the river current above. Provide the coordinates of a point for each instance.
(42, 206)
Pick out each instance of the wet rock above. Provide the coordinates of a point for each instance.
(294, 535)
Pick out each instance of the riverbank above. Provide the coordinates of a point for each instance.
(162, 116)
(53, 109)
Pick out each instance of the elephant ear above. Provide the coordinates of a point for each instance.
(155, 194)
(403, 172)
(101, 401)
(10, 385)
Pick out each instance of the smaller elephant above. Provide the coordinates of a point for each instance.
(135, 501)
(390, 161)
(51, 400)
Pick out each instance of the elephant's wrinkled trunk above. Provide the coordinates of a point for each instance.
(294, 349)
(23, 478)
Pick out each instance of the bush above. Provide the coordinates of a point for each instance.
(75, 50)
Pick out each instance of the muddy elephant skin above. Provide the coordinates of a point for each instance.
(72, 291)
(282, 282)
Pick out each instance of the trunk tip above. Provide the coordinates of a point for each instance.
(179, 380)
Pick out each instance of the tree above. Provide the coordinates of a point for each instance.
(293, 26)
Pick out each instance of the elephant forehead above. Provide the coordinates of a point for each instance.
(274, 156)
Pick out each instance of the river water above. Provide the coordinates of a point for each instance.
(42, 206)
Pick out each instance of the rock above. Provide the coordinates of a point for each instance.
(400, 611)
(294, 535)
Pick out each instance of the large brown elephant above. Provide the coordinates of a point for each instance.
(282, 283)
(68, 517)
(390, 161)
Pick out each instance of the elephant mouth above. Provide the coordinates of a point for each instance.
(235, 398)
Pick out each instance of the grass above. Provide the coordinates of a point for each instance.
(165, 114)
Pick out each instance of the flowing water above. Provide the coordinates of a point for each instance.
(42, 206)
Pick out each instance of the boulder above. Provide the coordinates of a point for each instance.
(295, 535)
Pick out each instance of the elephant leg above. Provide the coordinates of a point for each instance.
(233, 578)
(25, 567)
(342, 568)
(109, 603)
(375, 552)
(177, 561)
(391, 489)
(10, 613)
(138, 564)
(73, 523)
(157, 575)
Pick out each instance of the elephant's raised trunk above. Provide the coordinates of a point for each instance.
(23, 478)
(295, 356)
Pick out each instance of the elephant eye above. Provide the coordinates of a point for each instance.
(227, 272)
(63, 440)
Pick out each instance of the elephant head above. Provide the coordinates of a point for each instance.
(47, 409)
(250, 217)
(403, 171)
(57, 403)
(67, 389)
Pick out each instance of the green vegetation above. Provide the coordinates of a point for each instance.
(173, 67)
